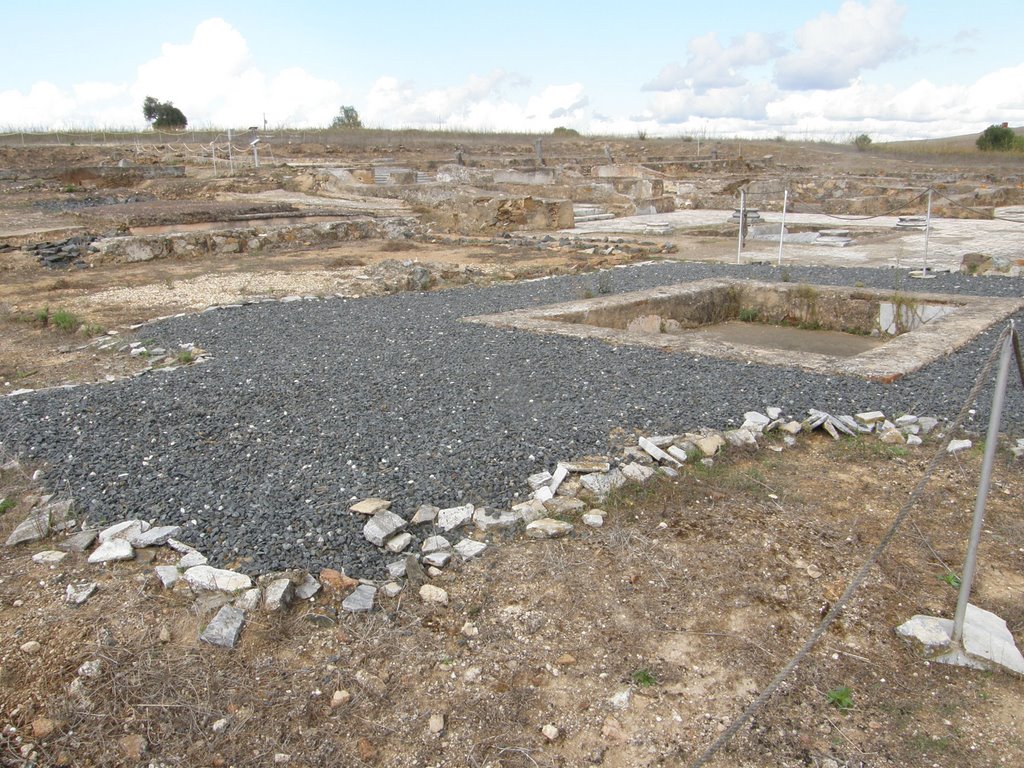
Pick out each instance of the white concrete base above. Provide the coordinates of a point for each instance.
(987, 642)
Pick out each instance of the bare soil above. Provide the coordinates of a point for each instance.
(639, 641)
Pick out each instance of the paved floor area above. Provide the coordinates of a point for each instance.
(947, 241)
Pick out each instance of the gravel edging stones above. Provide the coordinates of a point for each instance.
(305, 407)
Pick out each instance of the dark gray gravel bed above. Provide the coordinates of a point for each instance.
(308, 405)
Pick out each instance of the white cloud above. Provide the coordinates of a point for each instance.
(833, 49)
(480, 103)
(710, 65)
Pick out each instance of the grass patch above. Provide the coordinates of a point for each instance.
(749, 315)
(841, 698)
(65, 321)
(186, 356)
(644, 678)
(6, 504)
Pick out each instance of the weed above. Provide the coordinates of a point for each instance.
(42, 317)
(786, 276)
(65, 321)
(6, 504)
(952, 579)
(93, 329)
(587, 293)
(841, 698)
(59, 284)
(749, 315)
(642, 135)
(186, 356)
(394, 246)
(644, 678)
(604, 284)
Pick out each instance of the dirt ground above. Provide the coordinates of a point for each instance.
(639, 642)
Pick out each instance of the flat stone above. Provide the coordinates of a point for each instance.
(638, 473)
(987, 642)
(528, 511)
(278, 595)
(306, 588)
(586, 466)
(955, 446)
(592, 520)
(538, 480)
(123, 530)
(435, 544)
(454, 517)
(467, 549)
(110, 551)
(49, 557)
(561, 472)
(773, 413)
(225, 627)
(907, 420)
(792, 427)
(438, 559)
(677, 453)
(870, 417)
(249, 600)
(180, 546)
(927, 424)
(336, 580)
(33, 528)
(426, 513)
(914, 440)
(76, 594)
(370, 506)
(382, 526)
(603, 483)
(399, 542)
(662, 441)
(78, 542)
(192, 559)
(564, 506)
(391, 589)
(655, 452)
(757, 419)
(547, 528)
(154, 537)
(360, 600)
(709, 445)
(396, 570)
(168, 575)
(433, 595)
(216, 579)
(485, 519)
(542, 494)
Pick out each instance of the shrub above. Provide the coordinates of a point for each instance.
(163, 114)
(862, 142)
(998, 138)
(65, 321)
(348, 118)
(564, 132)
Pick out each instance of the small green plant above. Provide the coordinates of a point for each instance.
(6, 504)
(604, 284)
(862, 142)
(841, 698)
(952, 579)
(186, 356)
(644, 678)
(93, 329)
(41, 317)
(786, 276)
(66, 322)
(749, 315)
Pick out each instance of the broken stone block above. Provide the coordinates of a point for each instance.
(870, 417)
(485, 519)
(467, 549)
(396, 570)
(153, 537)
(586, 466)
(225, 627)
(543, 494)
(906, 420)
(528, 511)
(792, 427)
(168, 575)
(278, 595)
(399, 542)
(370, 506)
(773, 413)
(192, 559)
(382, 526)
(677, 453)
(914, 440)
(741, 438)
(434, 595)
(438, 559)
(927, 424)
(49, 557)
(360, 600)
(35, 527)
(124, 530)
(306, 588)
(592, 520)
(110, 551)
(755, 421)
(558, 477)
(391, 589)
(709, 445)
(563, 506)
(637, 472)
(249, 600)
(655, 452)
(955, 446)
(601, 484)
(547, 528)
(454, 517)
(892, 437)
(539, 480)
(76, 594)
(425, 514)
(216, 579)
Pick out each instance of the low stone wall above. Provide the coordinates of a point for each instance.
(130, 249)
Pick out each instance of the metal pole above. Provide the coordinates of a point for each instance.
(231, 156)
(927, 230)
(782, 229)
(743, 221)
(991, 438)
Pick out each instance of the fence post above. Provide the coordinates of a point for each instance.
(782, 229)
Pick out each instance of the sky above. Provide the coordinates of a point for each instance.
(894, 69)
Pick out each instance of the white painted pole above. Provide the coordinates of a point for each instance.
(782, 229)
(213, 145)
(743, 219)
(927, 231)
(991, 439)
(231, 156)
(255, 156)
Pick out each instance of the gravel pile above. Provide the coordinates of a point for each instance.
(308, 405)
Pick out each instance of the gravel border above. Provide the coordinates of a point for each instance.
(307, 405)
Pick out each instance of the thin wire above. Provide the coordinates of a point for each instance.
(862, 573)
(980, 212)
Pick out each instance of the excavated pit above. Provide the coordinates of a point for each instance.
(877, 335)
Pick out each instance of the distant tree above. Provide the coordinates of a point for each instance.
(565, 132)
(862, 142)
(347, 117)
(163, 114)
(997, 138)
